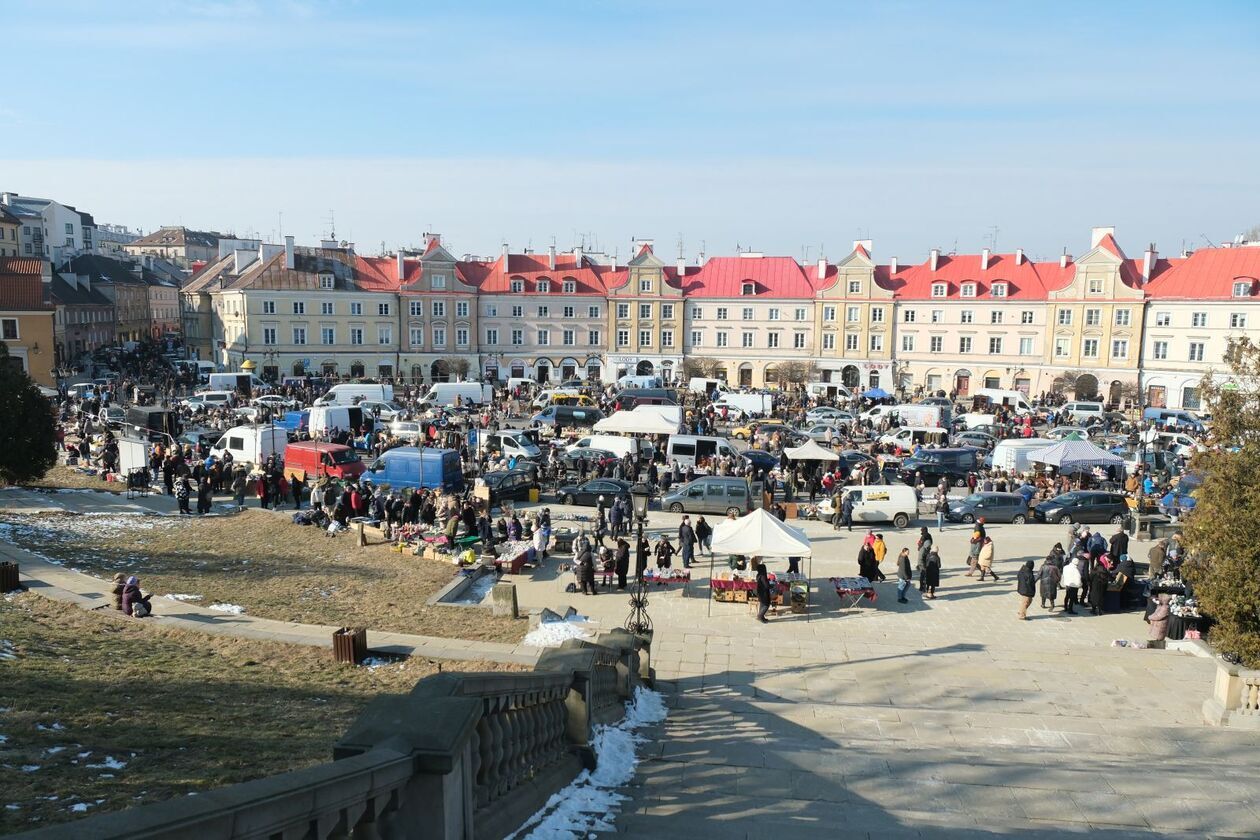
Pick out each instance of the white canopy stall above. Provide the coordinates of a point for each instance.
(759, 534)
(811, 451)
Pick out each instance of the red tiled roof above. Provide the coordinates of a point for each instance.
(1108, 242)
(777, 277)
(492, 278)
(22, 292)
(380, 274)
(1207, 274)
(1025, 281)
(21, 265)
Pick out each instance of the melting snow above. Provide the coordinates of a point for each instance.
(183, 597)
(29, 768)
(554, 633)
(56, 727)
(6, 650)
(80, 807)
(231, 609)
(110, 763)
(479, 591)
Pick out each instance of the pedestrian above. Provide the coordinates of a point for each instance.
(903, 575)
(984, 559)
(664, 553)
(1048, 577)
(1098, 580)
(763, 593)
(686, 542)
(923, 546)
(932, 574)
(181, 494)
(846, 511)
(622, 562)
(1025, 586)
(1071, 581)
(704, 535)
(586, 569)
(1158, 619)
(879, 549)
(642, 551)
(942, 508)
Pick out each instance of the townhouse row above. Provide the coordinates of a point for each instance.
(1143, 329)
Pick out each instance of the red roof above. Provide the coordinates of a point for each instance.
(777, 277)
(1207, 274)
(380, 274)
(1026, 281)
(21, 265)
(22, 292)
(1108, 242)
(493, 278)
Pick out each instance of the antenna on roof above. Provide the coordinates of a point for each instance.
(332, 224)
(992, 237)
(804, 253)
(1210, 243)
(954, 250)
(680, 245)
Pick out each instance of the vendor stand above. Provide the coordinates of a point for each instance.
(760, 534)
(665, 577)
(851, 591)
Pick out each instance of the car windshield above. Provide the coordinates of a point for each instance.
(1066, 499)
(343, 456)
(974, 498)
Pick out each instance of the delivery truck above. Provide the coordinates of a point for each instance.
(407, 466)
(751, 405)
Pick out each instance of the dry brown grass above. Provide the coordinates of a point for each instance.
(62, 477)
(184, 711)
(269, 566)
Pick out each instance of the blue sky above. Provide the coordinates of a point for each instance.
(780, 127)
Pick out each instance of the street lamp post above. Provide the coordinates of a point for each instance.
(639, 622)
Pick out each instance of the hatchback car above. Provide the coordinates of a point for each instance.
(593, 458)
(510, 485)
(1088, 506)
(994, 507)
(588, 492)
(824, 432)
(980, 440)
(275, 401)
(761, 459)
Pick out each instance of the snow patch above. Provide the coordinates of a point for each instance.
(230, 609)
(29, 768)
(55, 727)
(7, 651)
(374, 662)
(110, 763)
(555, 633)
(590, 803)
(80, 807)
(479, 591)
(180, 597)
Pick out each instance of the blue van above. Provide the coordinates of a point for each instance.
(295, 421)
(1173, 418)
(408, 466)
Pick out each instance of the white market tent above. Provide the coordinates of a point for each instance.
(635, 423)
(811, 451)
(760, 534)
(1068, 455)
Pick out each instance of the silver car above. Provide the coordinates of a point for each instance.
(709, 494)
(824, 431)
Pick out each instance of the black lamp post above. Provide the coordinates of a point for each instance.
(639, 622)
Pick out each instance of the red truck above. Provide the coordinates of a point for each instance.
(310, 459)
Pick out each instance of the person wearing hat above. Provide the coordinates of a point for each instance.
(134, 602)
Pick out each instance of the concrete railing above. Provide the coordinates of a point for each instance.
(1235, 699)
(459, 757)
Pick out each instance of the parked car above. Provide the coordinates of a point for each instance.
(822, 431)
(994, 507)
(597, 458)
(791, 436)
(828, 414)
(386, 411)
(954, 465)
(761, 459)
(510, 485)
(112, 416)
(1088, 506)
(850, 458)
(275, 401)
(709, 494)
(199, 439)
(980, 440)
(1061, 432)
(588, 493)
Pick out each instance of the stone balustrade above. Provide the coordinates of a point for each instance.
(462, 756)
(1235, 699)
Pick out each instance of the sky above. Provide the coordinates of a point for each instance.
(789, 128)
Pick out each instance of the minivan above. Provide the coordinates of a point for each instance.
(710, 494)
(697, 450)
(954, 465)
(251, 444)
(549, 396)
(346, 418)
(1174, 418)
(907, 437)
(616, 444)
(1082, 411)
(465, 393)
(994, 507)
(311, 459)
(895, 503)
(567, 415)
(347, 393)
(626, 400)
(510, 444)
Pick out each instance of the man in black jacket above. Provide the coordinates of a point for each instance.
(1026, 586)
(1119, 545)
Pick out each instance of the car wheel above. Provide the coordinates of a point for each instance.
(676, 507)
(1018, 519)
(1065, 519)
(569, 500)
(1117, 519)
(732, 511)
(901, 520)
(960, 482)
(967, 519)
(741, 437)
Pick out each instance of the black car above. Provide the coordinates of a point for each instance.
(594, 458)
(850, 458)
(589, 492)
(1088, 506)
(761, 459)
(510, 485)
(994, 507)
(954, 465)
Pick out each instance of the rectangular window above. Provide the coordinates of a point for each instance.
(518, 338)
(855, 287)
(907, 316)
(356, 335)
(438, 309)
(1065, 317)
(1026, 316)
(998, 290)
(1196, 351)
(492, 311)
(852, 314)
(299, 307)
(416, 335)
(967, 316)
(384, 334)
(645, 310)
(439, 337)
(995, 345)
(1163, 319)
(877, 343)
(748, 313)
(299, 335)
(936, 344)
(492, 337)
(544, 286)
(964, 344)
(645, 338)
(461, 337)
(568, 287)
(327, 335)
(326, 281)
(995, 317)
(438, 281)
(356, 308)
(667, 339)
(829, 341)
(1123, 317)
(569, 312)
(623, 338)
(382, 310)
(722, 313)
(695, 338)
(544, 311)
(461, 309)
(968, 290)
(1062, 348)
(798, 341)
(1025, 347)
(851, 341)
(877, 314)
(1159, 350)
(1198, 319)
(800, 314)
(645, 287)
(518, 312)
(69, 228)
(829, 313)
(592, 312)
(269, 307)
(772, 340)
(746, 339)
(1089, 348)
(269, 335)
(907, 344)
(325, 307)
(623, 310)
(723, 339)
(567, 338)
(592, 338)
(774, 313)
(938, 316)
(544, 338)
(517, 286)
(1119, 348)
(696, 313)
(667, 311)
(1093, 317)
(1237, 321)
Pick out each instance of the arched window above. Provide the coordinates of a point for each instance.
(1242, 289)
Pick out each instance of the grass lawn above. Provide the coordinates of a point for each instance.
(264, 563)
(63, 477)
(100, 713)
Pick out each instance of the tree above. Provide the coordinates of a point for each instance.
(28, 441)
(703, 367)
(1222, 535)
(796, 373)
(457, 367)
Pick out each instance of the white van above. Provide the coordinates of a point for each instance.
(520, 382)
(510, 443)
(346, 418)
(828, 390)
(216, 399)
(468, 393)
(347, 393)
(616, 444)
(701, 385)
(633, 381)
(907, 436)
(695, 450)
(1011, 454)
(1083, 412)
(544, 399)
(1014, 400)
(240, 380)
(893, 503)
(251, 444)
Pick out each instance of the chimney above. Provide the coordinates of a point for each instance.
(577, 256)
(7, 199)
(934, 257)
(1063, 260)
(503, 251)
(822, 268)
(984, 260)
(1019, 256)
(682, 267)
(551, 257)
(892, 266)
(1148, 262)
(242, 258)
(1096, 234)
(288, 252)
(402, 266)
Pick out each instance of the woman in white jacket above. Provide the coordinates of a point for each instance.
(1072, 580)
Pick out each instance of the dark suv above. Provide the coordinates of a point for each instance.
(1088, 506)
(994, 507)
(954, 465)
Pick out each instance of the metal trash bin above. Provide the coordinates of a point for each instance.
(9, 577)
(350, 645)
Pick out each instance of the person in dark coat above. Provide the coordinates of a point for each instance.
(924, 547)
(664, 553)
(1098, 580)
(622, 562)
(642, 552)
(586, 570)
(1048, 576)
(931, 576)
(1026, 587)
(704, 535)
(1119, 545)
(866, 563)
(134, 602)
(763, 593)
(120, 584)
(903, 575)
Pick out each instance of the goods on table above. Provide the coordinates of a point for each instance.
(738, 586)
(664, 576)
(1183, 607)
(852, 590)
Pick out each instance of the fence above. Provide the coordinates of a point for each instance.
(1235, 699)
(460, 757)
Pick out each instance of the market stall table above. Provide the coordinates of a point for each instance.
(664, 577)
(851, 591)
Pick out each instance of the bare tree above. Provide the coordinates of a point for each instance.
(702, 366)
(457, 367)
(796, 372)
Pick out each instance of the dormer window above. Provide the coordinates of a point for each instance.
(1242, 289)
(438, 281)
(326, 281)
(1095, 286)
(968, 290)
(748, 289)
(569, 287)
(544, 286)
(998, 290)
(645, 287)
(517, 285)
(938, 290)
